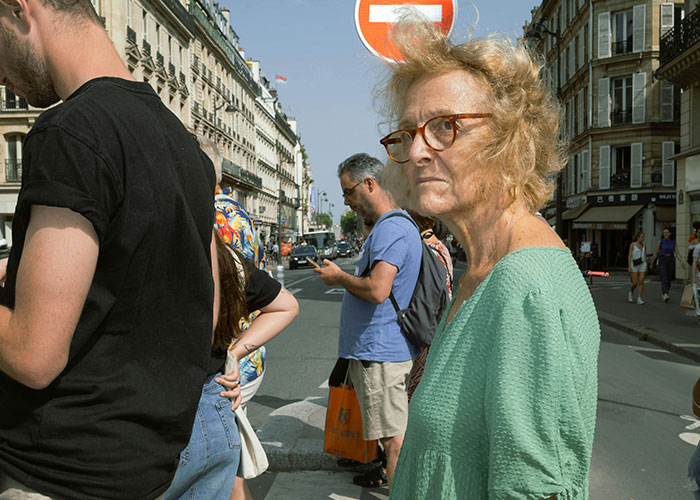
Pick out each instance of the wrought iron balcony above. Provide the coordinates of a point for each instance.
(623, 47)
(681, 37)
(621, 117)
(241, 174)
(195, 64)
(620, 180)
(13, 170)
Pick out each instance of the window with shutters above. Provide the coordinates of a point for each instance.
(668, 166)
(567, 63)
(603, 35)
(622, 101)
(586, 52)
(584, 106)
(13, 157)
(571, 170)
(639, 93)
(604, 168)
(586, 170)
(579, 112)
(670, 102)
(636, 165)
(623, 28)
(579, 49)
(580, 188)
(604, 102)
(621, 165)
(639, 29)
(667, 20)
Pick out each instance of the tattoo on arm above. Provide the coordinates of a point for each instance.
(250, 347)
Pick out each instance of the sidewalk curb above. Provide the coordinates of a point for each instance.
(647, 335)
(293, 440)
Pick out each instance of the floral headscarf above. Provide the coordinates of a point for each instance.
(236, 228)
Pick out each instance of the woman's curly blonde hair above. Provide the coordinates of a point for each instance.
(523, 148)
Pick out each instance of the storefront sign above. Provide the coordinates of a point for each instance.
(632, 199)
(575, 201)
(599, 225)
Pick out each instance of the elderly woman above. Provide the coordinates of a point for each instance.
(507, 403)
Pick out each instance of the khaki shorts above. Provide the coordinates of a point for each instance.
(381, 391)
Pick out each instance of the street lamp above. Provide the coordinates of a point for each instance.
(534, 34)
(230, 108)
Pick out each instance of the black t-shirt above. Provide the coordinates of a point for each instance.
(260, 291)
(111, 426)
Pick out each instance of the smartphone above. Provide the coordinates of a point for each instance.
(312, 262)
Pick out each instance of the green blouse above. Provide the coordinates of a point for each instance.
(506, 406)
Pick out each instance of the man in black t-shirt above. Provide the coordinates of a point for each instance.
(107, 306)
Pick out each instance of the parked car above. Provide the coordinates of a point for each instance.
(345, 249)
(299, 255)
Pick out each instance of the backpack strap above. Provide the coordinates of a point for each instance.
(366, 271)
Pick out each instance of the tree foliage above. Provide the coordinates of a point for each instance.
(324, 220)
(349, 223)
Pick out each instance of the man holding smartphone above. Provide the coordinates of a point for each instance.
(107, 309)
(370, 336)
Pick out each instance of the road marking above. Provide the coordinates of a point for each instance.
(335, 291)
(294, 291)
(646, 349)
(300, 280)
(687, 345)
(324, 385)
(690, 437)
(392, 13)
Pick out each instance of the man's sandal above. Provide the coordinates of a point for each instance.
(373, 478)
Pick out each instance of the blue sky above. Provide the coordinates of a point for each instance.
(331, 76)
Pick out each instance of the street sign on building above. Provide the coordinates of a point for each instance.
(374, 20)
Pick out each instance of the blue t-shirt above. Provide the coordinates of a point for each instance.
(370, 331)
(667, 247)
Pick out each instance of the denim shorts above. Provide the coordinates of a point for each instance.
(209, 463)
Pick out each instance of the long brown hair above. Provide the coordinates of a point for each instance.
(233, 280)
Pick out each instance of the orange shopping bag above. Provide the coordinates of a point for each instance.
(343, 436)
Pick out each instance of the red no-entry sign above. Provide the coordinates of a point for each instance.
(374, 20)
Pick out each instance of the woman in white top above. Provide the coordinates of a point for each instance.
(637, 267)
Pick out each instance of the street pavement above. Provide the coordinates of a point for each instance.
(645, 430)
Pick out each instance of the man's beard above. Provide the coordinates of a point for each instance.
(28, 75)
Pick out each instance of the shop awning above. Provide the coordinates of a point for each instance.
(606, 217)
(666, 215)
(572, 213)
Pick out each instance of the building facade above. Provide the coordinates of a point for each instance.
(680, 65)
(190, 54)
(623, 124)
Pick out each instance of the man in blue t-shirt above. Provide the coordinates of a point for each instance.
(370, 336)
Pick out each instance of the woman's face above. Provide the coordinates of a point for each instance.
(666, 234)
(641, 238)
(445, 182)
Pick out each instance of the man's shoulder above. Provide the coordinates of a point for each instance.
(87, 107)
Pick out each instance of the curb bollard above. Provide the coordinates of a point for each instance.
(280, 274)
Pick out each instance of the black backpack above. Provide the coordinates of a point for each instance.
(419, 321)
